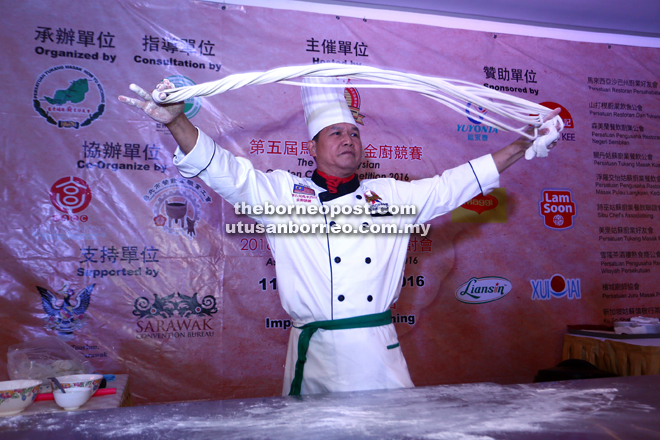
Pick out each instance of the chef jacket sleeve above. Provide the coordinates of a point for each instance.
(234, 178)
(441, 194)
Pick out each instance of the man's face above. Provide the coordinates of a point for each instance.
(338, 149)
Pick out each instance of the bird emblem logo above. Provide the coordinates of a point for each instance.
(66, 317)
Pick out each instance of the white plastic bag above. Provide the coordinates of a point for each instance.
(45, 357)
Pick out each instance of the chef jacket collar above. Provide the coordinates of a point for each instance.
(342, 189)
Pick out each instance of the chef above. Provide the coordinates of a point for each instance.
(337, 288)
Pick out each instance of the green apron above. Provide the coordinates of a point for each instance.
(374, 320)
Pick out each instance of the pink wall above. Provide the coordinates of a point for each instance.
(95, 152)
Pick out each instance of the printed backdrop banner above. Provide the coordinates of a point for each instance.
(107, 247)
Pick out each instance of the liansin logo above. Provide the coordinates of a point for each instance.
(556, 287)
(483, 290)
(557, 208)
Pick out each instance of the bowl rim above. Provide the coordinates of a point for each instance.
(18, 384)
(79, 378)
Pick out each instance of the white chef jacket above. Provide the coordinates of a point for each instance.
(333, 276)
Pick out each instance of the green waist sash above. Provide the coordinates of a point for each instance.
(374, 320)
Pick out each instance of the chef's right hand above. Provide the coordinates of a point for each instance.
(163, 113)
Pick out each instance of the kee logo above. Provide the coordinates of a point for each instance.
(556, 287)
(565, 115)
(557, 208)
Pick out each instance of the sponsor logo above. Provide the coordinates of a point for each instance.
(353, 100)
(490, 208)
(192, 106)
(557, 208)
(175, 316)
(567, 136)
(564, 114)
(475, 113)
(556, 287)
(478, 130)
(177, 205)
(70, 195)
(65, 317)
(68, 96)
(483, 290)
(481, 203)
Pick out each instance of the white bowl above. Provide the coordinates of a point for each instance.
(79, 381)
(74, 397)
(16, 395)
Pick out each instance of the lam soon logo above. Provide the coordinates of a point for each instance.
(557, 208)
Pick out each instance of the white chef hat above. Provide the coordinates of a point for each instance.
(324, 106)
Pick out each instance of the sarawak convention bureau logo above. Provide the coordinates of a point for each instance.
(175, 316)
(68, 96)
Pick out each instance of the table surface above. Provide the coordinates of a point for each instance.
(647, 342)
(613, 408)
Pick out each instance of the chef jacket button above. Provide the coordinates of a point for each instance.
(367, 260)
(359, 197)
(332, 223)
(341, 297)
(370, 298)
(337, 260)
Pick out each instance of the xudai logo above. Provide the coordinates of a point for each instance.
(556, 287)
(483, 290)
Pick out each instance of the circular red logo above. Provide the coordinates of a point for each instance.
(563, 114)
(558, 283)
(70, 195)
